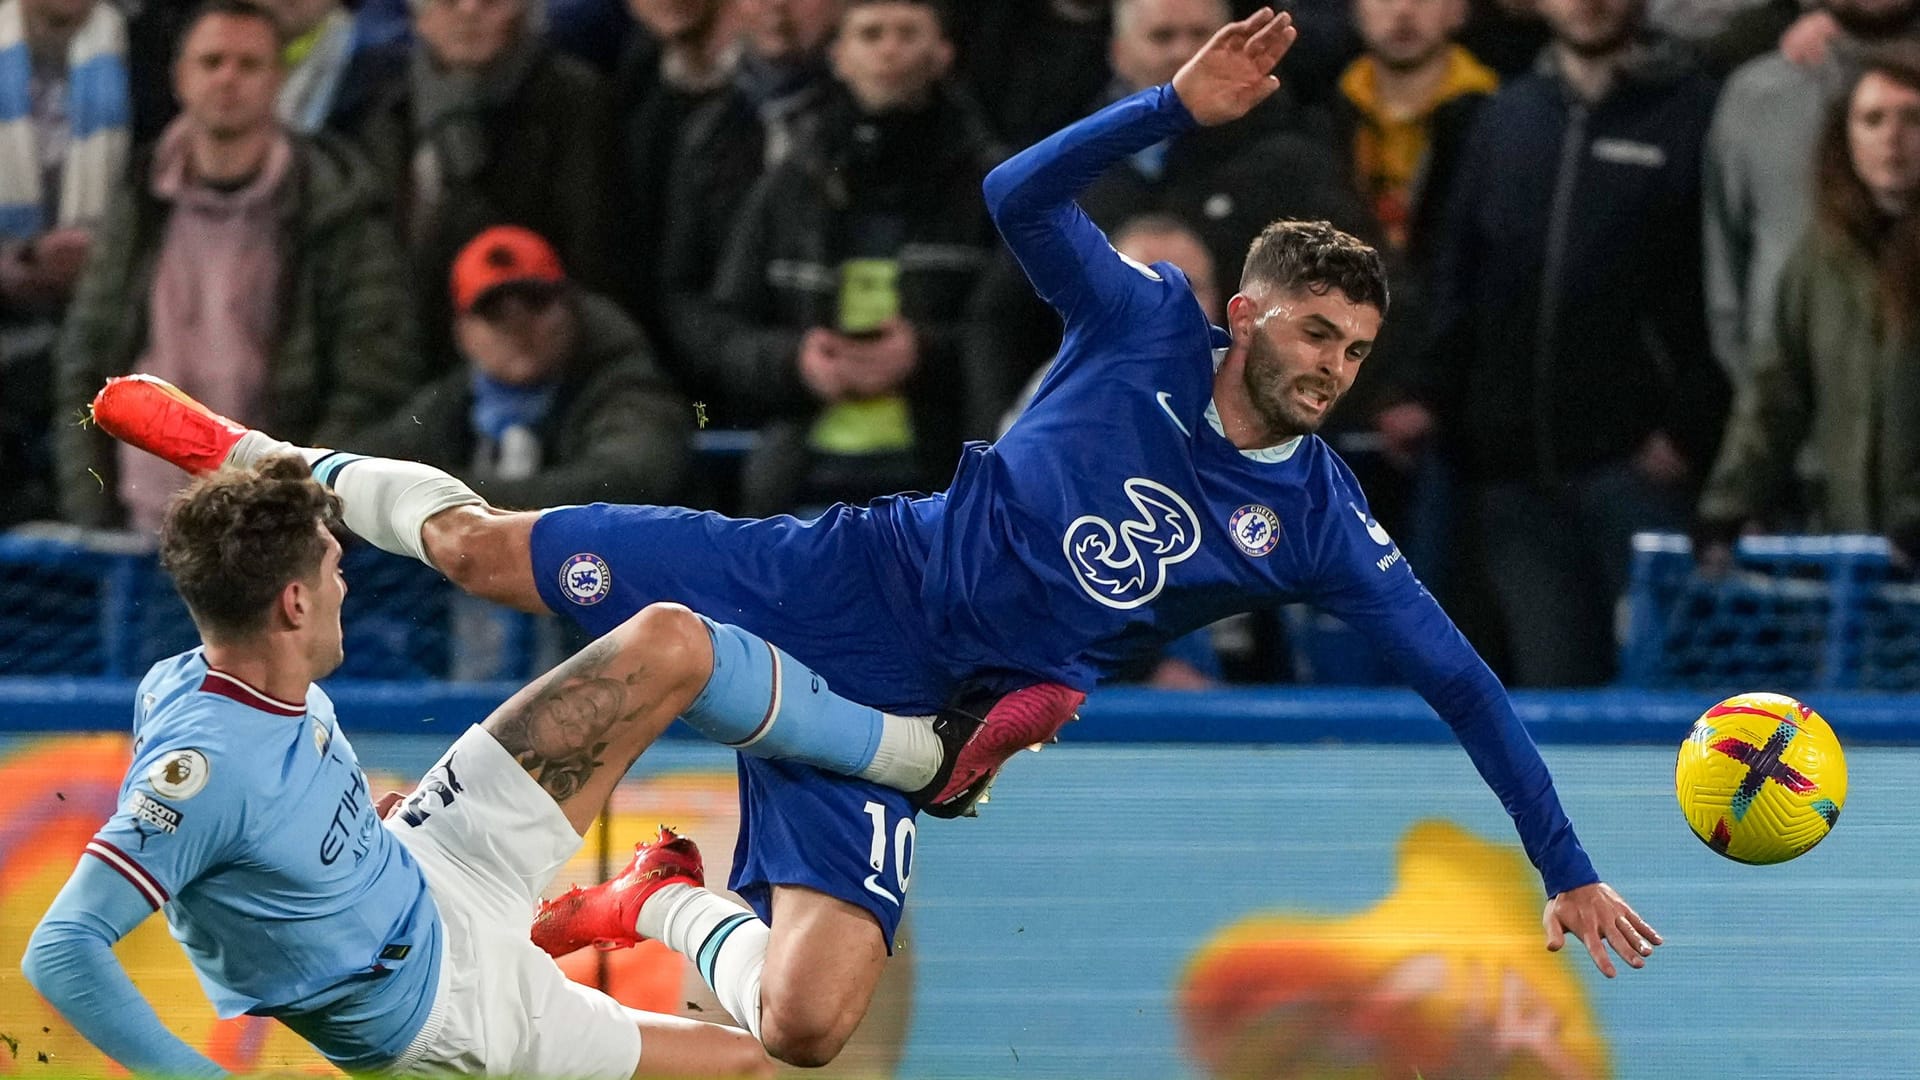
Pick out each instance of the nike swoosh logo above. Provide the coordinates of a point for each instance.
(1166, 405)
(1373, 527)
(873, 886)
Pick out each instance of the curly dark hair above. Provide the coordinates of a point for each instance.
(1847, 210)
(1315, 256)
(232, 540)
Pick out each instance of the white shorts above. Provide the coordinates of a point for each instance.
(489, 839)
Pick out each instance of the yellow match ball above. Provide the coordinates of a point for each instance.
(1761, 778)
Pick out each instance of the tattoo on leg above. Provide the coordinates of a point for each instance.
(560, 733)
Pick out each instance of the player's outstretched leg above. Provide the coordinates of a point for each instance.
(577, 729)
(402, 507)
(801, 989)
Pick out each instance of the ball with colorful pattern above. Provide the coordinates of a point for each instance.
(1761, 778)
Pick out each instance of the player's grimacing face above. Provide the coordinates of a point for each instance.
(1304, 350)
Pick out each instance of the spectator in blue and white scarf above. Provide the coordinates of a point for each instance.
(63, 147)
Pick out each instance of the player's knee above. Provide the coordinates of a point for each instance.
(800, 1048)
(676, 645)
(805, 1029)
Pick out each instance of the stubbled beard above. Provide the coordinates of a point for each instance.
(1272, 392)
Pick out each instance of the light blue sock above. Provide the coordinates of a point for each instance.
(761, 701)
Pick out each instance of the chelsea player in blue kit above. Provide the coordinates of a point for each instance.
(1165, 475)
(398, 946)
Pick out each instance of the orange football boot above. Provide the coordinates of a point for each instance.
(606, 915)
(156, 416)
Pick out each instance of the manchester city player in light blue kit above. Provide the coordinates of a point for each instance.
(1166, 475)
(392, 947)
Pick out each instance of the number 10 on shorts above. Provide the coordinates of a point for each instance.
(903, 843)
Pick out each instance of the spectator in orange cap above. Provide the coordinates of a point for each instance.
(556, 398)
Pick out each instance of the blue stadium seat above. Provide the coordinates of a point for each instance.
(1813, 612)
(91, 603)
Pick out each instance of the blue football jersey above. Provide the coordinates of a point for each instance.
(248, 822)
(1115, 515)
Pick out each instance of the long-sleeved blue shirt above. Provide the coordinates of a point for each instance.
(1115, 515)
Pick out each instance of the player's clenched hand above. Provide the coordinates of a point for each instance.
(386, 804)
(1596, 914)
(1233, 71)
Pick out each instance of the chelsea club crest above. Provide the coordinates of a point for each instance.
(585, 579)
(1255, 529)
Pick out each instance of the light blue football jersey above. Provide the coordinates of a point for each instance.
(248, 821)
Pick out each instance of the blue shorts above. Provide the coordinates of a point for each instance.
(828, 593)
(844, 837)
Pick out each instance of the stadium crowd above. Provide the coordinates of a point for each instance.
(1656, 263)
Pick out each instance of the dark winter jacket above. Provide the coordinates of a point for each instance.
(346, 354)
(1568, 319)
(1231, 181)
(722, 149)
(781, 273)
(616, 432)
(548, 166)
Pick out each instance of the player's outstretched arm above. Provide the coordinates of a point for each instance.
(1031, 195)
(70, 961)
(1383, 600)
(1599, 917)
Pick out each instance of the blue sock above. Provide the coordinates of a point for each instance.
(761, 701)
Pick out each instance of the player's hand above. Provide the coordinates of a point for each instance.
(386, 804)
(1233, 71)
(1597, 916)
